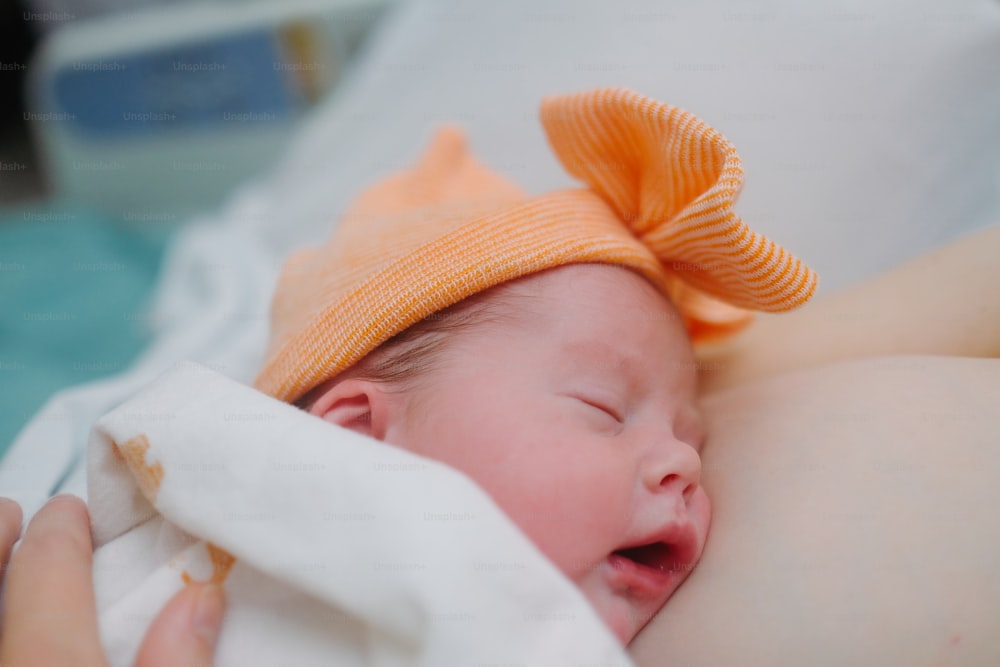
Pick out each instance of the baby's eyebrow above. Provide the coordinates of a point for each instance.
(633, 367)
(606, 357)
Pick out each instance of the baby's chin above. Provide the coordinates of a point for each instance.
(624, 615)
(627, 592)
(622, 623)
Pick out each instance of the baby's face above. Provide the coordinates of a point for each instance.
(580, 420)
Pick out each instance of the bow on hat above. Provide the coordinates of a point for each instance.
(660, 197)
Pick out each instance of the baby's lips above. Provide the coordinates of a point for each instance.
(656, 564)
(681, 539)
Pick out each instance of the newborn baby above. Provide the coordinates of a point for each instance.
(543, 345)
(527, 362)
(536, 389)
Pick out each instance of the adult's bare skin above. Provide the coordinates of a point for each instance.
(853, 499)
(945, 302)
(854, 522)
(49, 615)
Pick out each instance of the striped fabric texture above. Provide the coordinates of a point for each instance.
(661, 188)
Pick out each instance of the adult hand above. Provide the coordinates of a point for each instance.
(50, 616)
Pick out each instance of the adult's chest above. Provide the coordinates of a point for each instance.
(854, 521)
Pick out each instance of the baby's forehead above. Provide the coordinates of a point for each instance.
(639, 368)
(603, 296)
(603, 313)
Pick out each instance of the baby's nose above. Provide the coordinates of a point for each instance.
(673, 467)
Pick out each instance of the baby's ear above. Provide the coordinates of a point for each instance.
(357, 404)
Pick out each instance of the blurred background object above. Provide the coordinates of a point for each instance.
(194, 97)
(19, 177)
(121, 121)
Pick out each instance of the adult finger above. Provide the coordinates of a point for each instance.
(10, 530)
(51, 617)
(186, 631)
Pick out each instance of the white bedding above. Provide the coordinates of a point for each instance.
(867, 129)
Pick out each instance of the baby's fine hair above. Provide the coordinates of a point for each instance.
(414, 353)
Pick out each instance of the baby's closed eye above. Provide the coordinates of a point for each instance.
(597, 404)
(602, 408)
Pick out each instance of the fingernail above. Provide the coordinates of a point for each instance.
(208, 613)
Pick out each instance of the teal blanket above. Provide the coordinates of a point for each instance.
(74, 288)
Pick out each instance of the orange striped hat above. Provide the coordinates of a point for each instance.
(660, 195)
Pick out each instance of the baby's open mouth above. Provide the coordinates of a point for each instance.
(655, 567)
(658, 556)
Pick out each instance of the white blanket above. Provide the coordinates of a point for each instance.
(348, 551)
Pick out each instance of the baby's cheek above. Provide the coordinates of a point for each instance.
(594, 524)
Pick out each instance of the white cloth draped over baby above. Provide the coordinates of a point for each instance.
(334, 548)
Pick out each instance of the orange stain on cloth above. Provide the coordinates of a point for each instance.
(222, 562)
(149, 477)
